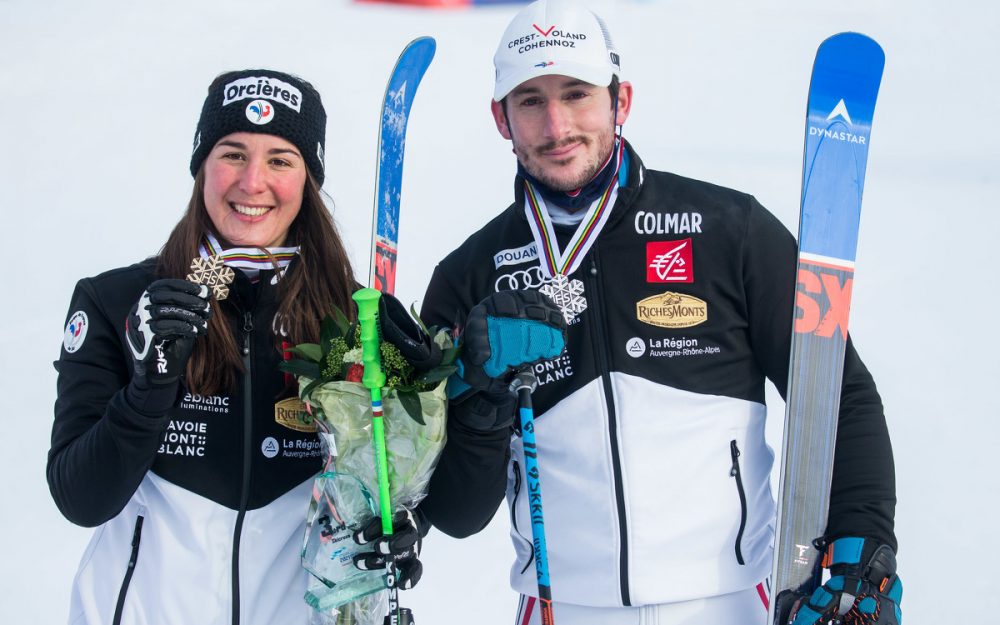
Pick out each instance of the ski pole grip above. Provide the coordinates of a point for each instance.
(367, 300)
(524, 380)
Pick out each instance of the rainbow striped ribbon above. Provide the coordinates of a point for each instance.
(250, 259)
(553, 260)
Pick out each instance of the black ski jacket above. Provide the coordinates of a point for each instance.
(650, 428)
(201, 510)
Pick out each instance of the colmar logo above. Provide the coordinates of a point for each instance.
(669, 261)
(667, 223)
(260, 112)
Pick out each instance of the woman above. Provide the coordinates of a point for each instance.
(170, 432)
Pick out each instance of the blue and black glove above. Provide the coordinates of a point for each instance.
(504, 332)
(863, 588)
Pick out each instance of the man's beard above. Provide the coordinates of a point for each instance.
(587, 173)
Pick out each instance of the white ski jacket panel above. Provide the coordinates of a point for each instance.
(650, 428)
(182, 554)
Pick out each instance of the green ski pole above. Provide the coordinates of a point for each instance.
(374, 379)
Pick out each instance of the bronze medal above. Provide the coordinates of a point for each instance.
(213, 273)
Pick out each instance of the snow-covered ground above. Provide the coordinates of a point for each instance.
(97, 114)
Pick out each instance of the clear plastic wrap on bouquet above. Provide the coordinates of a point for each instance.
(345, 496)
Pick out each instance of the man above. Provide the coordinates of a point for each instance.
(678, 299)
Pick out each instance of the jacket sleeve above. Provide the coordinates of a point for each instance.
(863, 495)
(469, 481)
(101, 447)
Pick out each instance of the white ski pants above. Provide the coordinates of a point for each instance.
(748, 607)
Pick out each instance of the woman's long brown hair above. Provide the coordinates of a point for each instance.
(320, 279)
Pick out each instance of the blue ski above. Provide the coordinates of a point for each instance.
(399, 92)
(842, 93)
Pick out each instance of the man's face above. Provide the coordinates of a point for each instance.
(562, 128)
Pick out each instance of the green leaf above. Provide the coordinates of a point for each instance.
(308, 351)
(352, 336)
(420, 322)
(343, 323)
(437, 374)
(450, 355)
(302, 368)
(327, 332)
(307, 391)
(442, 339)
(411, 403)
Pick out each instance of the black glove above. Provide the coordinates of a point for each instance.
(403, 547)
(160, 330)
(504, 332)
(863, 588)
(399, 329)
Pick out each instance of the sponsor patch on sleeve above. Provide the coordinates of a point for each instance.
(76, 332)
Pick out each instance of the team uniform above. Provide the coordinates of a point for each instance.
(199, 511)
(650, 427)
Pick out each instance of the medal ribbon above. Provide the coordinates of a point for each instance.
(554, 260)
(250, 259)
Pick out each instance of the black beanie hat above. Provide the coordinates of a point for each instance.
(264, 101)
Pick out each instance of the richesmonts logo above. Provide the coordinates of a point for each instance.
(672, 310)
(292, 414)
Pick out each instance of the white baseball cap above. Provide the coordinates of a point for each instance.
(554, 37)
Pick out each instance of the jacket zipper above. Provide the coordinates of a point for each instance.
(603, 362)
(513, 514)
(132, 560)
(247, 444)
(734, 452)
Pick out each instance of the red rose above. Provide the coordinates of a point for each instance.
(354, 373)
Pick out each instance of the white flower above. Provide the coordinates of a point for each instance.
(353, 356)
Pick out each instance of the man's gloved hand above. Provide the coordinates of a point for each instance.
(401, 330)
(863, 588)
(403, 547)
(160, 330)
(502, 333)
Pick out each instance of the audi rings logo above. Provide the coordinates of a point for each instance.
(530, 278)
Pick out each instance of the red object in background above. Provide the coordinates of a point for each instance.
(442, 4)
(420, 3)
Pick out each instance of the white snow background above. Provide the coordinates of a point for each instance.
(97, 111)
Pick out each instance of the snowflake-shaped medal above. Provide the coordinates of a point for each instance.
(213, 273)
(567, 294)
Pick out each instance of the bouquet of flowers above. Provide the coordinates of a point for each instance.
(345, 495)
